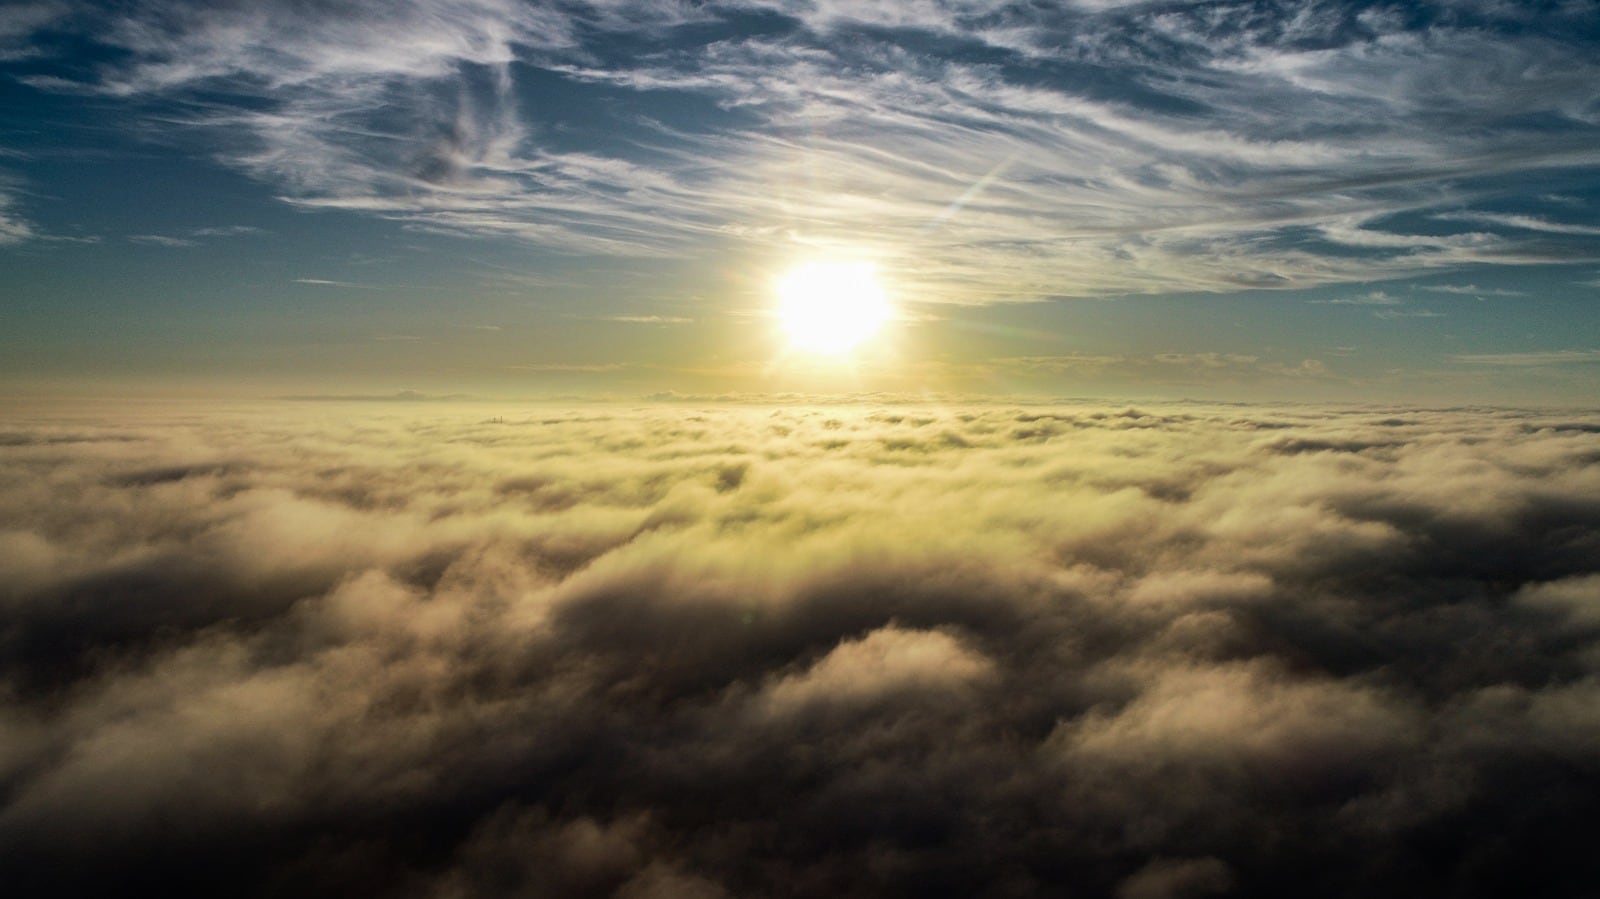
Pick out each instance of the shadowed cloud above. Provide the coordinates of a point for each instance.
(672, 650)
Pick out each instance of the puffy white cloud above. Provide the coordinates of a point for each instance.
(739, 649)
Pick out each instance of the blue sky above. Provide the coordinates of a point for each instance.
(1391, 201)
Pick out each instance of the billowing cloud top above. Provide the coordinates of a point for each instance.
(985, 151)
(674, 651)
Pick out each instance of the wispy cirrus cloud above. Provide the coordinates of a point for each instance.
(163, 240)
(1408, 313)
(1524, 222)
(14, 229)
(1385, 305)
(195, 236)
(1539, 358)
(328, 282)
(1473, 290)
(650, 319)
(20, 21)
(982, 152)
(1165, 369)
(227, 231)
(1373, 298)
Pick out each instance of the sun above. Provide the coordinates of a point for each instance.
(831, 307)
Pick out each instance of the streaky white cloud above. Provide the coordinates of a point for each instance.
(1164, 369)
(21, 20)
(13, 228)
(1408, 313)
(1373, 298)
(163, 240)
(1525, 222)
(1473, 290)
(1121, 147)
(195, 236)
(1540, 357)
(649, 319)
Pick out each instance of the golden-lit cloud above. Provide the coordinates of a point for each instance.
(717, 648)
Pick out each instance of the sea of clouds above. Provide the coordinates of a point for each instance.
(729, 650)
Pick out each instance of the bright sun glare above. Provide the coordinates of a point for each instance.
(831, 307)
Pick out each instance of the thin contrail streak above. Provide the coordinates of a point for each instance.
(967, 195)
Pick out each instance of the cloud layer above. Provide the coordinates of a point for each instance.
(984, 151)
(676, 651)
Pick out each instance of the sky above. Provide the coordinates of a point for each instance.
(1307, 200)
(799, 448)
